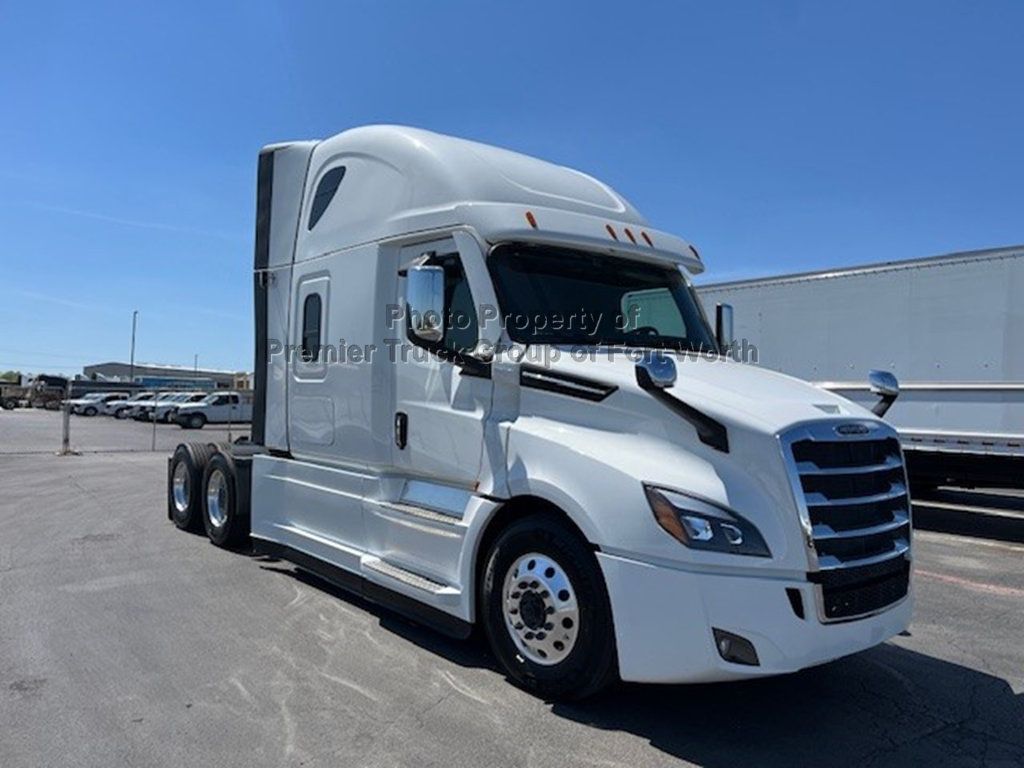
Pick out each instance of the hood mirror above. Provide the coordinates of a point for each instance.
(424, 301)
(885, 385)
(656, 370)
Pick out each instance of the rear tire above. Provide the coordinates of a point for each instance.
(185, 485)
(553, 636)
(225, 520)
(10, 404)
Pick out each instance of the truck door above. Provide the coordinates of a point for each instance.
(442, 399)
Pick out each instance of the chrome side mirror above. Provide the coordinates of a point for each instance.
(723, 327)
(885, 385)
(656, 370)
(424, 302)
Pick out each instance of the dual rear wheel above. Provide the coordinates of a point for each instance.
(203, 494)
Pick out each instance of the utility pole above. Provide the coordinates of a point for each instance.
(131, 364)
(195, 363)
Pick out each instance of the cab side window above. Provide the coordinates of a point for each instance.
(461, 333)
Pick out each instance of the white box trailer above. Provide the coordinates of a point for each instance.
(486, 395)
(950, 327)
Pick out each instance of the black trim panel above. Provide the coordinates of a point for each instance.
(564, 384)
(261, 260)
(709, 431)
(352, 582)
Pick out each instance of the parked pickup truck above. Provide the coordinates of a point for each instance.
(94, 402)
(165, 407)
(487, 395)
(121, 408)
(216, 408)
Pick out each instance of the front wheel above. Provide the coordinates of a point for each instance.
(546, 612)
(90, 411)
(196, 421)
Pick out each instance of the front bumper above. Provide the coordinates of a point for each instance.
(664, 618)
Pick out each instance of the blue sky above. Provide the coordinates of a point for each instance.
(775, 136)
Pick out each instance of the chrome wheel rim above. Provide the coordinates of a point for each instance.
(540, 609)
(217, 498)
(179, 487)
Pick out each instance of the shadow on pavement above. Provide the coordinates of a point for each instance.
(885, 706)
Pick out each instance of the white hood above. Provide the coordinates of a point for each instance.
(728, 391)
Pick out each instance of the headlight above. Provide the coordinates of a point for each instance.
(702, 525)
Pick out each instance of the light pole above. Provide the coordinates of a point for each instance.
(195, 364)
(131, 364)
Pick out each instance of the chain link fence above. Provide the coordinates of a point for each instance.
(42, 431)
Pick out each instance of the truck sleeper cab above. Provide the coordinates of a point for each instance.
(486, 395)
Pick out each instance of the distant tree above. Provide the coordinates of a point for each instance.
(10, 376)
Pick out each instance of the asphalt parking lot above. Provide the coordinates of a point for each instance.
(125, 641)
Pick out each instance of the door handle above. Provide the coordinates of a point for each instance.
(401, 429)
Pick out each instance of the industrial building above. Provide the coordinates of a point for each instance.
(163, 375)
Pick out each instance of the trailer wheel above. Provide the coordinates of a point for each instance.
(227, 524)
(545, 610)
(185, 485)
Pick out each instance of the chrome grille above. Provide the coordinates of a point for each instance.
(852, 493)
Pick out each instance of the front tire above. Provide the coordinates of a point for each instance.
(545, 610)
(90, 411)
(196, 421)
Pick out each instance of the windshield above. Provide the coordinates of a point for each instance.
(554, 295)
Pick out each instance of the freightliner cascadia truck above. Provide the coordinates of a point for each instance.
(486, 395)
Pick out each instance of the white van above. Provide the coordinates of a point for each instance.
(487, 395)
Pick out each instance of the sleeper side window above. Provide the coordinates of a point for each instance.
(311, 321)
(324, 194)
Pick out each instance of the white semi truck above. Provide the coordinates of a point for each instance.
(486, 395)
